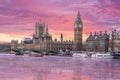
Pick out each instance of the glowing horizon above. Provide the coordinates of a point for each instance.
(18, 18)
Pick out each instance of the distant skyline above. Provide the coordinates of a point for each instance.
(18, 17)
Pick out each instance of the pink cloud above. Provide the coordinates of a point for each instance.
(19, 17)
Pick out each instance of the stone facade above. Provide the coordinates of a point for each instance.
(98, 42)
(14, 44)
(115, 41)
(42, 40)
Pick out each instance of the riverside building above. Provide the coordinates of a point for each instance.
(42, 39)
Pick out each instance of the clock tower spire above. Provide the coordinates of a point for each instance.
(78, 28)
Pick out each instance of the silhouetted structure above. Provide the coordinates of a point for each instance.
(42, 40)
(78, 28)
(115, 41)
(98, 42)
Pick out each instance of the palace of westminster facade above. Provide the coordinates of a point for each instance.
(42, 40)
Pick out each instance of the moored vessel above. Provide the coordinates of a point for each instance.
(80, 54)
(101, 55)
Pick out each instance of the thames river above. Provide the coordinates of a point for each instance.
(57, 68)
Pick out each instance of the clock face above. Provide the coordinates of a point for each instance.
(75, 25)
(95, 37)
(80, 26)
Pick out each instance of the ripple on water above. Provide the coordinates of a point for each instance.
(58, 68)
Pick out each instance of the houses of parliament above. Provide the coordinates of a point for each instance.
(42, 39)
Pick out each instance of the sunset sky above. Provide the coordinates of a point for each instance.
(18, 17)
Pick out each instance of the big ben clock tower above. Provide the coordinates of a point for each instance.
(78, 28)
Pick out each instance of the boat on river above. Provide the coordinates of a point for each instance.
(80, 54)
(101, 55)
(84, 54)
(36, 53)
(115, 55)
(33, 54)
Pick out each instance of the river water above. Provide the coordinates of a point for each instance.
(57, 68)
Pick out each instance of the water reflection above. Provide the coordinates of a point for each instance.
(58, 68)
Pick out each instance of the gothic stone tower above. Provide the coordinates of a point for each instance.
(78, 28)
(39, 29)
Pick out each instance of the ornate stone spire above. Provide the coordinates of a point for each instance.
(47, 30)
(100, 33)
(61, 37)
(90, 33)
(78, 19)
(78, 14)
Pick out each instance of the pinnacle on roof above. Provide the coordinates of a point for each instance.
(78, 19)
(78, 14)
